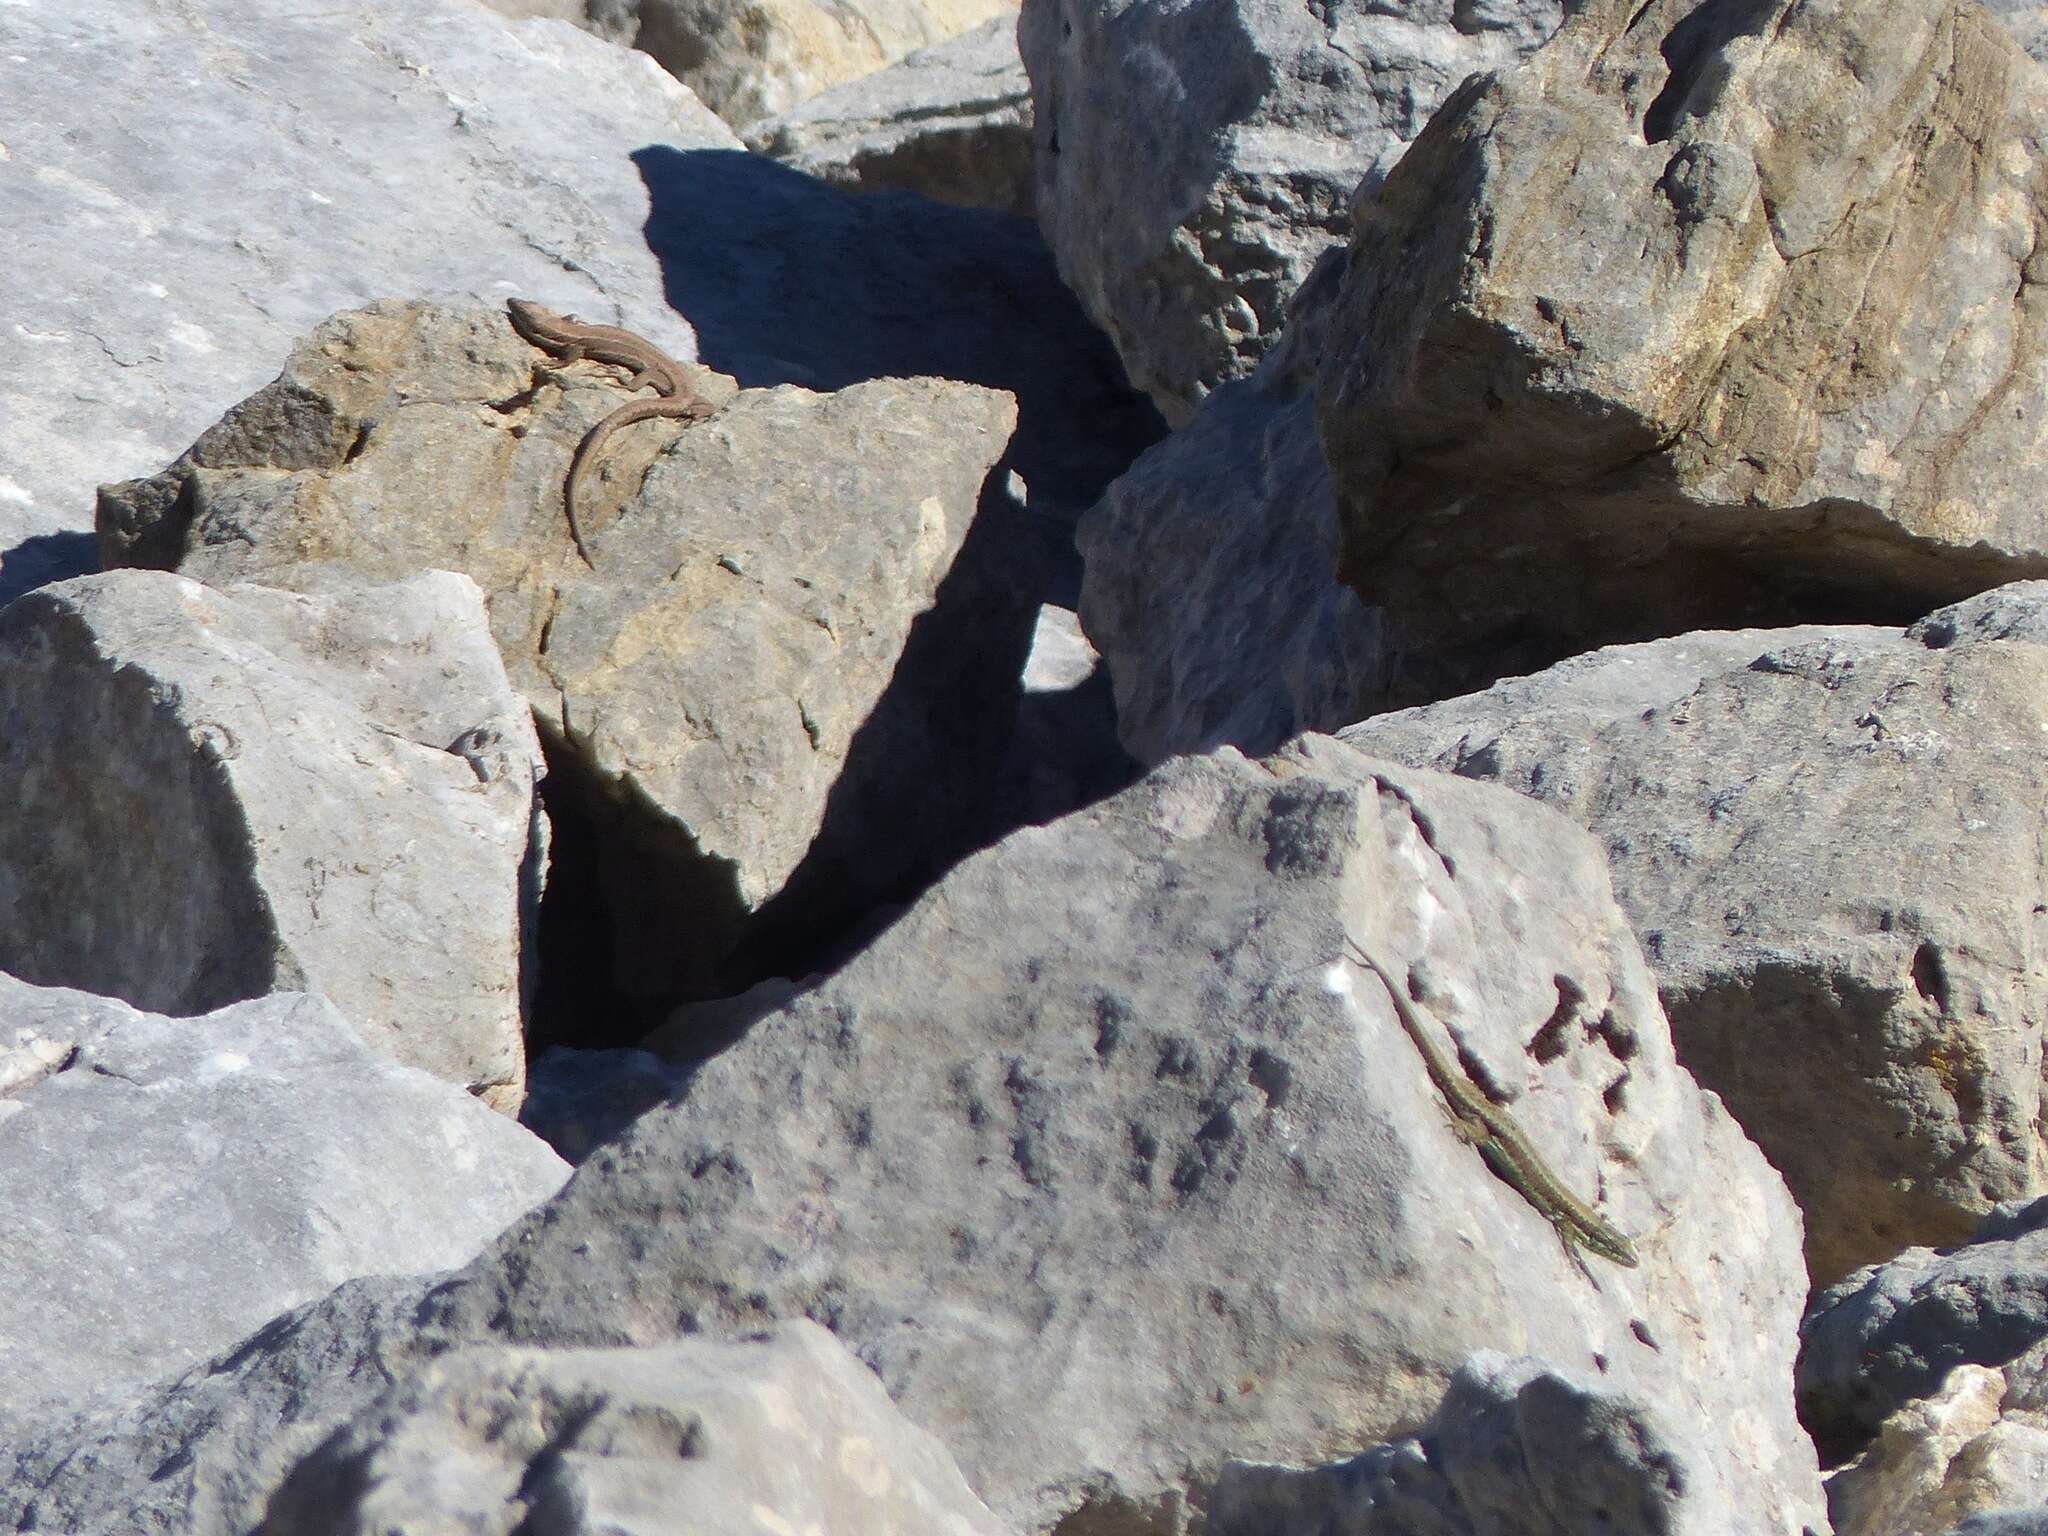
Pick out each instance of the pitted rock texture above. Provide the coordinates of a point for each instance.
(1161, 1150)
(1194, 160)
(176, 1183)
(1714, 314)
(215, 794)
(1815, 832)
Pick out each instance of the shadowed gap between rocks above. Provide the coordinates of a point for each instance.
(48, 557)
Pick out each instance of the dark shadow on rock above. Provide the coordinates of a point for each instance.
(46, 558)
(790, 281)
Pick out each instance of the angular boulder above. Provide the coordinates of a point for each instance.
(1816, 831)
(175, 1183)
(951, 122)
(784, 1432)
(215, 794)
(1713, 314)
(1114, 1189)
(1194, 160)
(700, 691)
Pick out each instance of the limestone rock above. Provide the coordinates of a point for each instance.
(1711, 315)
(1891, 1333)
(1512, 1436)
(362, 151)
(1114, 1190)
(784, 1432)
(1210, 578)
(1976, 1446)
(750, 59)
(213, 795)
(951, 122)
(1194, 161)
(179, 1182)
(1813, 831)
(747, 620)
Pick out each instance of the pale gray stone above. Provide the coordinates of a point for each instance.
(785, 1432)
(1817, 834)
(756, 645)
(190, 190)
(213, 795)
(1193, 161)
(951, 122)
(1115, 1189)
(1512, 1438)
(1210, 577)
(180, 1181)
(1709, 316)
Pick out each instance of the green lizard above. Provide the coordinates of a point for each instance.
(1500, 1141)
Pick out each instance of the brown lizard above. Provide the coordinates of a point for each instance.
(1500, 1141)
(569, 340)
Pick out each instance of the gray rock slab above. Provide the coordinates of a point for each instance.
(747, 628)
(1818, 834)
(1512, 1436)
(189, 191)
(1706, 317)
(952, 122)
(179, 1182)
(1113, 1190)
(785, 1432)
(1210, 570)
(1892, 1332)
(215, 794)
(1194, 161)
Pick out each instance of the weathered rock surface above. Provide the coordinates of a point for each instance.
(749, 59)
(1976, 1446)
(1116, 1190)
(191, 190)
(951, 122)
(708, 682)
(786, 1432)
(177, 1182)
(578, 1099)
(1816, 833)
(1893, 1332)
(1512, 1437)
(1210, 578)
(1194, 161)
(1712, 315)
(213, 795)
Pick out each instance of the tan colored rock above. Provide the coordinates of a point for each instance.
(1979, 1443)
(749, 59)
(1710, 315)
(757, 576)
